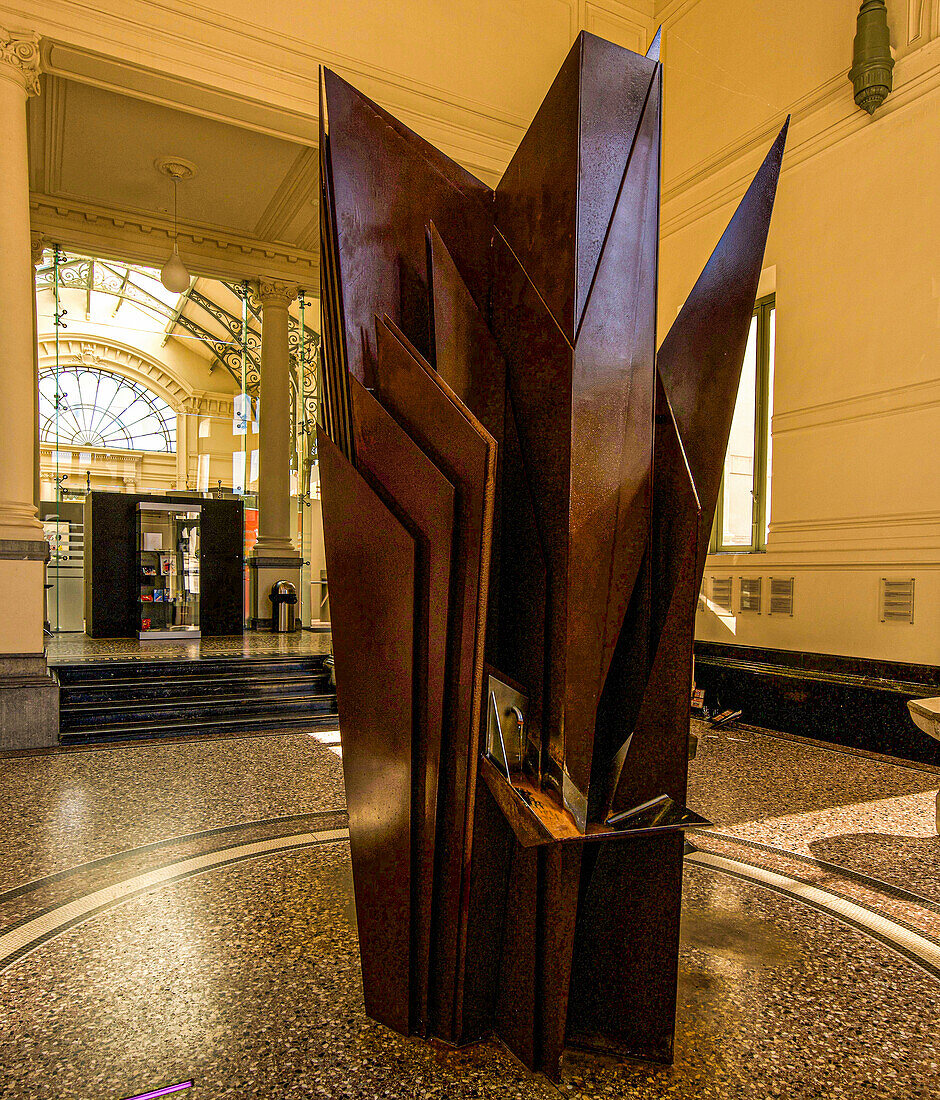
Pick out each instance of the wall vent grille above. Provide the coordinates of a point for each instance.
(781, 596)
(721, 592)
(750, 594)
(897, 600)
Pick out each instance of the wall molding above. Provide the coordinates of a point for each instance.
(781, 564)
(821, 120)
(884, 519)
(634, 27)
(896, 401)
(923, 20)
(668, 12)
(873, 542)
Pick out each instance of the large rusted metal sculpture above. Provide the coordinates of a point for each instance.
(517, 491)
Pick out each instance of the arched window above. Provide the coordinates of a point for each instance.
(88, 407)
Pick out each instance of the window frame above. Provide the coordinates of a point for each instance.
(50, 425)
(759, 491)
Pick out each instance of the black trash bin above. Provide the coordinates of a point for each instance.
(283, 607)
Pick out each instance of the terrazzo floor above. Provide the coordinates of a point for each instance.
(176, 912)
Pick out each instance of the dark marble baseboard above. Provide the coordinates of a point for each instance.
(850, 701)
(29, 704)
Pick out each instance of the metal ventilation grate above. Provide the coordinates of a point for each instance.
(897, 601)
(750, 594)
(721, 592)
(781, 596)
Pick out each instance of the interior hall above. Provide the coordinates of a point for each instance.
(265, 558)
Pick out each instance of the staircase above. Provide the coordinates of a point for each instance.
(115, 700)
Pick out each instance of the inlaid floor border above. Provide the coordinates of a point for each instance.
(911, 945)
(166, 842)
(33, 932)
(838, 869)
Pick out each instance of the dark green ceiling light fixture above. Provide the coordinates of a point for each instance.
(871, 61)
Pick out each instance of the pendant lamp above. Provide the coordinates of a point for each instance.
(173, 274)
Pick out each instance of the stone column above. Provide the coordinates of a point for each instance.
(37, 244)
(182, 450)
(28, 698)
(274, 557)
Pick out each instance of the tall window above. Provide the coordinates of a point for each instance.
(86, 407)
(742, 517)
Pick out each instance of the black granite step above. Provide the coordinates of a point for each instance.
(114, 700)
(146, 731)
(83, 671)
(184, 688)
(199, 708)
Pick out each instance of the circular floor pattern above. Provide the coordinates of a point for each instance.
(238, 968)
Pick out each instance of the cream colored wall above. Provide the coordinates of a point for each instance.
(852, 255)
(111, 470)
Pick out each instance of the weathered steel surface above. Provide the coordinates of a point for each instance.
(536, 200)
(622, 998)
(538, 365)
(700, 359)
(423, 500)
(371, 562)
(462, 449)
(611, 455)
(549, 466)
(387, 185)
(469, 363)
(656, 762)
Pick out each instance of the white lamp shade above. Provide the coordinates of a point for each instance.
(174, 275)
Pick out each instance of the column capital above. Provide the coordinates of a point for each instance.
(19, 59)
(37, 245)
(276, 294)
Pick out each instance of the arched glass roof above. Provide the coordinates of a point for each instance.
(219, 320)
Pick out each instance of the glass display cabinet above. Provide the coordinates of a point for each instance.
(168, 570)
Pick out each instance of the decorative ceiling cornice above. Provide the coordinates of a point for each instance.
(281, 99)
(37, 245)
(145, 238)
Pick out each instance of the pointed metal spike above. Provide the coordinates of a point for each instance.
(700, 359)
(653, 52)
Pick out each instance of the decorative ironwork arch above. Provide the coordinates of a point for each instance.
(130, 282)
